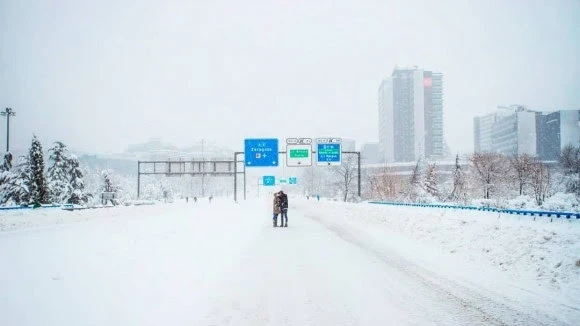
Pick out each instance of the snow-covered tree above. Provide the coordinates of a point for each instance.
(570, 162)
(108, 184)
(459, 193)
(77, 185)
(416, 188)
(346, 173)
(386, 184)
(5, 176)
(38, 185)
(489, 170)
(16, 186)
(152, 192)
(431, 181)
(522, 166)
(58, 173)
(415, 178)
(540, 181)
(7, 163)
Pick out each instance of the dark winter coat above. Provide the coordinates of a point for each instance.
(277, 205)
(284, 200)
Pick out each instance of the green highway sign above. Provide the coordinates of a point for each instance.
(298, 152)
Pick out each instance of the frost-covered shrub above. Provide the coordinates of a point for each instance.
(562, 202)
(522, 202)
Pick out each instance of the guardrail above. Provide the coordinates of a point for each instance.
(567, 215)
(8, 208)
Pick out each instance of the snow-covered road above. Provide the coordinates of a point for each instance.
(224, 264)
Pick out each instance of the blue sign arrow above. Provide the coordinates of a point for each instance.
(268, 180)
(261, 152)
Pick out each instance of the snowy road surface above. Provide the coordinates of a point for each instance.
(224, 264)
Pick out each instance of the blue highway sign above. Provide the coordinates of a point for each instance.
(329, 153)
(261, 152)
(268, 180)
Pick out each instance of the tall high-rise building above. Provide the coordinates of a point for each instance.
(411, 115)
(370, 153)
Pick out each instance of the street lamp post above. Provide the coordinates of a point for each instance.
(7, 114)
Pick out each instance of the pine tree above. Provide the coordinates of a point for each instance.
(416, 191)
(5, 177)
(108, 183)
(16, 185)
(38, 185)
(7, 163)
(459, 183)
(415, 176)
(78, 195)
(431, 181)
(58, 173)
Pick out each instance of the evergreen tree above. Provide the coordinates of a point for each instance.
(7, 163)
(108, 184)
(77, 185)
(416, 191)
(5, 177)
(58, 173)
(16, 185)
(38, 185)
(415, 178)
(459, 183)
(431, 181)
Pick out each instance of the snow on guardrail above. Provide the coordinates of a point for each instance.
(567, 215)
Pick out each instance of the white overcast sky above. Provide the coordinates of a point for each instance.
(100, 75)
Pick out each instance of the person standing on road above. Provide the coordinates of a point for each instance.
(277, 208)
(283, 209)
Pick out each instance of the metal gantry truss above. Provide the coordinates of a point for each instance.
(210, 167)
(170, 168)
(283, 153)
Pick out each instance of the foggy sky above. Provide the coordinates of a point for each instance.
(100, 75)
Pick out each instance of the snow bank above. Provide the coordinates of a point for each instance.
(33, 218)
(562, 202)
(536, 250)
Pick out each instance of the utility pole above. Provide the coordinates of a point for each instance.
(7, 114)
(203, 171)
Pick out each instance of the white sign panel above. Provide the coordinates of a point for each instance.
(298, 152)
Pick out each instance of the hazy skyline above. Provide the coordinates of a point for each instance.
(100, 76)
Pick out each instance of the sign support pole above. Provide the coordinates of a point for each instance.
(236, 175)
(138, 178)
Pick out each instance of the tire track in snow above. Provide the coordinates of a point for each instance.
(470, 303)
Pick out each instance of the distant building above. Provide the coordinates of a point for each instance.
(348, 145)
(515, 134)
(370, 153)
(519, 131)
(557, 130)
(410, 105)
(482, 129)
